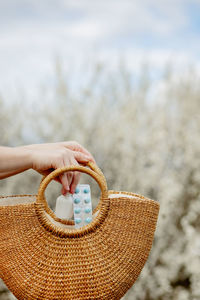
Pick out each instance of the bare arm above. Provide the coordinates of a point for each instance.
(44, 158)
(13, 161)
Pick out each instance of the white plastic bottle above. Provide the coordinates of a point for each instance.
(64, 207)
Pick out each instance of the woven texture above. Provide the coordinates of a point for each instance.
(41, 258)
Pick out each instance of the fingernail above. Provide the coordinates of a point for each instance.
(72, 190)
(63, 191)
(66, 187)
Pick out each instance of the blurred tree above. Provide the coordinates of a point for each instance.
(145, 140)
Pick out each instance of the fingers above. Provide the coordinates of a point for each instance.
(64, 181)
(46, 158)
(64, 178)
(72, 181)
(68, 177)
(67, 157)
(75, 181)
(63, 191)
(73, 178)
(81, 157)
(77, 147)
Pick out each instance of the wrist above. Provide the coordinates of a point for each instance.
(25, 154)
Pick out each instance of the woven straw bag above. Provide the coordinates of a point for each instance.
(44, 257)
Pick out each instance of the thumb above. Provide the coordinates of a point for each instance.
(81, 157)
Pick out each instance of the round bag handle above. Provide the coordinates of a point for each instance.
(92, 166)
(93, 173)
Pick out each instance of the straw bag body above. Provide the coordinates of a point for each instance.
(44, 257)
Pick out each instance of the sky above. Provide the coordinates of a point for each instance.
(81, 32)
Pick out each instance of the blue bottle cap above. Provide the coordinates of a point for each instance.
(86, 190)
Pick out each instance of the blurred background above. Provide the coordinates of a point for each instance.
(122, 78)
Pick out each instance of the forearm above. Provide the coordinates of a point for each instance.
(44, 158)
(14, 160)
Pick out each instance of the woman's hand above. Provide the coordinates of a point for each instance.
(47, 157)
(44, 158)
